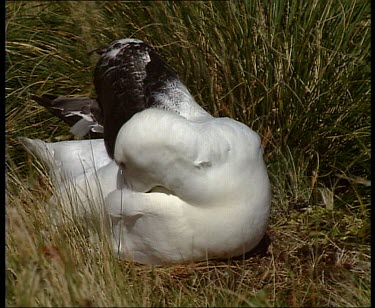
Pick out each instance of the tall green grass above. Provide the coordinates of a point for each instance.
(296, 72)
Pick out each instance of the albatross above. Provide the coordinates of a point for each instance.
(176, 183)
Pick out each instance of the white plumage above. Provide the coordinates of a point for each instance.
(183, 185)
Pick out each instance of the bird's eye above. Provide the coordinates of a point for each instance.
(117, 45)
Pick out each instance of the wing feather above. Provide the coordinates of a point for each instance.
(83, 114)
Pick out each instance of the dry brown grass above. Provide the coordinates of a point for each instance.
(294, 265)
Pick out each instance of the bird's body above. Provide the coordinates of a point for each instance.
(182, 185)
(81, 171)
(217, 193)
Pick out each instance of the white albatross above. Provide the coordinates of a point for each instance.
(178, 184)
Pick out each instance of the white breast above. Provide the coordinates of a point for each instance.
(219, 193)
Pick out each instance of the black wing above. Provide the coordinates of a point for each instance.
(126, 76)
(83, 114)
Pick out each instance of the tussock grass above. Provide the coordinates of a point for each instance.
(297, 73)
